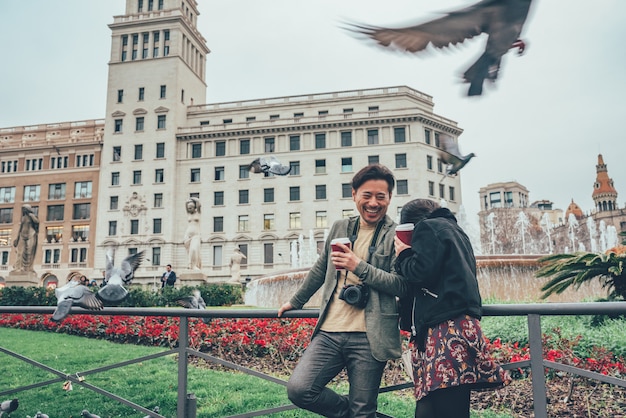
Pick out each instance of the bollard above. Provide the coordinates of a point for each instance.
(190, 406)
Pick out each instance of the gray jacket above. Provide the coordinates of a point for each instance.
(381, 314)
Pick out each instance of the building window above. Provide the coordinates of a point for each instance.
(56, 191)
(7, 194)
(294, 143)
(55, 212)
(218, 198)
(294, 193)
(373, 159)
(137, 177)
(217, 255)
(112, 228)
(162, 92)
(117, 153)
(429, 162)
(219, 173)
(427, 136)
(400, 160)
(244, 197)
(322, 114)
(268, 195)
(6, 215)
(32, 193)
(196, 150)
(115, 178)
(120, 96)
(321, 219)
(227, 121)
(159, 175)
(320, 166)
(402, 187)
(35, 164)
(139, 123)
(320, 191)
(141, 95)
(243, 223)
(372, 136)
(113, 203)
(218, 224)
(161, 122)
(244, 146)
(295, 168)
(86, 160)
(442, 191)
(160, 150)
(431, 188)
(134, 226)
(80, 232)
(346, 139)
(220, 148)
(495, 199)
(195, 175)
(373, 109)
(158, 200)
(78, 255)
(268, 222)
(346, 190)
(244, 250)
(346, 164)
(451, 193)
(295, 220)
(81, 211)
(118, 125)
(244, 172)
(268, 253)
(82, 190)
(346, 213)
(298, 115)
(269, 144)
(138, 152)
(320, 141)
(437, 142)
(55, 162)
(399, 135)
(439, 165)
(250, 118)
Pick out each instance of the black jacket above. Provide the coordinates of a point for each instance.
(441, 269)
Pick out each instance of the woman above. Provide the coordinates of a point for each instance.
(449, 355)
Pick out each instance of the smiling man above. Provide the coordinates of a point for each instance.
(358, 323)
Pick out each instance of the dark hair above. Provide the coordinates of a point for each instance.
(373, 172)
(417, 210)
(169, 265)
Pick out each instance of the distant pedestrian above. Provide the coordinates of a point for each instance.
(169, 277)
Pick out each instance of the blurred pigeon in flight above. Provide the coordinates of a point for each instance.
(116, 277)
(6, 407)
(194, 301)
(451, 156)
(269, 165)
(74, 293)
(87, 414)
(156, 410)
(501, 20)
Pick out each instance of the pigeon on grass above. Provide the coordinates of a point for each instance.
(74, 293)
(269, 165)
(116, 277)
(452, 157)
(87, 414)
(195, 301)
(501, 20)
(8, 406)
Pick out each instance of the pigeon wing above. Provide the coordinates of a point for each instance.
(188, 302)
(130, 264)
(88, 300)
(275, 167)
(62, 310)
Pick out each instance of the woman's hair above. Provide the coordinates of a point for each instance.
(373, 172)
(417, 210)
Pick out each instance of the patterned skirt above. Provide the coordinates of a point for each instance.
(455, 354)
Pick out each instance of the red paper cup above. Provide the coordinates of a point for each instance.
(405, 232)
(335, 247)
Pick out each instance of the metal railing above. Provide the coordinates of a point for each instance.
(186, 406)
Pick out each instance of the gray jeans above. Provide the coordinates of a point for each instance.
(327, 354)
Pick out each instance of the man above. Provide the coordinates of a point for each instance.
(169, 277)
(361, 339)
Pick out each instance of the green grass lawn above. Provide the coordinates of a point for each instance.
(151, 383)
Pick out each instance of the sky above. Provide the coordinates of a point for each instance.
(542, 124)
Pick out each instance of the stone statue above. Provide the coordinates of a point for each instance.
(192, 234)
(27, 240)
(235, 265)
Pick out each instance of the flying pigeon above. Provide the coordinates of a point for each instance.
(269, 165)
(501, 20)
(74, 293)
(87, 414)
(8, 406)
(116, 277)
(450, 155)
(194, 301)
(155, 410)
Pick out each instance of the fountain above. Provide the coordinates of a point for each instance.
(547, 226)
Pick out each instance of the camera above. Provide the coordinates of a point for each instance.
(355, 294)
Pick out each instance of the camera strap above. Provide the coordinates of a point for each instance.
(371, 248)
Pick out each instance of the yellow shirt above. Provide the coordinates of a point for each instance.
(341, 316)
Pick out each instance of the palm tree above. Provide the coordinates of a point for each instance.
(567, 270)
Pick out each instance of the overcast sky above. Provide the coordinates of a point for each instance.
(543, 124)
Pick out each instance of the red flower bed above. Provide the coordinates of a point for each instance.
(280, 339)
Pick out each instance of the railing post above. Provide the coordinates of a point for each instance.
(192, 405)
(183, 341)
(538, 376)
